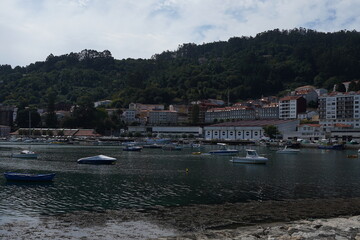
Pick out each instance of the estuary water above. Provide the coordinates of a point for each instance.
(155, 177)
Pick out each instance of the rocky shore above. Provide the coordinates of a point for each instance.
(289, 219)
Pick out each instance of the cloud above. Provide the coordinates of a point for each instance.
(32, 29)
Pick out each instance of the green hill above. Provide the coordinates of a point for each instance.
(247, 67)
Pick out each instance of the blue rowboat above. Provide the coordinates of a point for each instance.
(28, 177)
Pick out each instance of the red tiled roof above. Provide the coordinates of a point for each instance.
(341, 125)
(287, 98)
(311, 125)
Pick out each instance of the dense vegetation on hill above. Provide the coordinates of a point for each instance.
(247, 67)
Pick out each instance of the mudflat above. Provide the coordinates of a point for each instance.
(186, 222)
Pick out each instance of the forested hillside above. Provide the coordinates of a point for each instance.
(248, 67)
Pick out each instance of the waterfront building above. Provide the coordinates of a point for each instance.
(343, 108)
(291, 106)
(311, 132)
(167, 130)
(248, 130)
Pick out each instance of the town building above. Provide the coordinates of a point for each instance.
(229, 113)
(291, 106)
(248, 130)
(164, 117)
(339, 108)
(311, 132)
(167, 131)
(268, 111)
(307, 92)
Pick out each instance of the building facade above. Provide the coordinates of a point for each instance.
(339, 108)
(247, 130)
(162, 117)
(291, 106)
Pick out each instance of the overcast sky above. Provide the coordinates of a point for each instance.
(32, 29)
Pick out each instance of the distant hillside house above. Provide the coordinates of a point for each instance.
(103, 103)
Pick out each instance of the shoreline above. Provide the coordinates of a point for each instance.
(197, 221)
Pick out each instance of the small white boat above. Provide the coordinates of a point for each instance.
(288, 150)
(99, 159)
(251, 157)
(25, 154)
(224, 151)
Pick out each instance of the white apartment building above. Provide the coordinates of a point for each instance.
(164, 117)
(311, 132)
(291, 106)
(339, 108)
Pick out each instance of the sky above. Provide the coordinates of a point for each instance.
(31, 30)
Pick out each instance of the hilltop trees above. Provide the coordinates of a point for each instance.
(244, 67)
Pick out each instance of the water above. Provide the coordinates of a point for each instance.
(156, 177)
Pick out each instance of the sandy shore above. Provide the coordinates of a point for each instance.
(290, 219)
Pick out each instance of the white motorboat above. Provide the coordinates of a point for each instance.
(251, 157)
(288, 150)
(25, 154)
(224, 151)
(99, 159)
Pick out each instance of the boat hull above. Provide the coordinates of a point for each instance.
(97, 160)
(224, 152)
(249, 160)
(26, 177)
(20, 155)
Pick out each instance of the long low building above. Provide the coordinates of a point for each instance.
(247, 130)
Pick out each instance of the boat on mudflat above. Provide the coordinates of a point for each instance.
(98, 160)
(224, 151)
(29, 177)
(251, 157)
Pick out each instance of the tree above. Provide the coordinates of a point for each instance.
(340, 87)
(271, 131)
(195, 114)
(51, 119)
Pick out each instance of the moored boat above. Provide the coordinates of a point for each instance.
(132, 148)
(288, 150)
(251, 157)
(28, 177)
(99, 159)
(224, 151)
(332, 146)
(25, 154)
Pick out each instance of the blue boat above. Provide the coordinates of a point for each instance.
(332, 146)
(99, 159)
(224, 151)
(28, 177)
